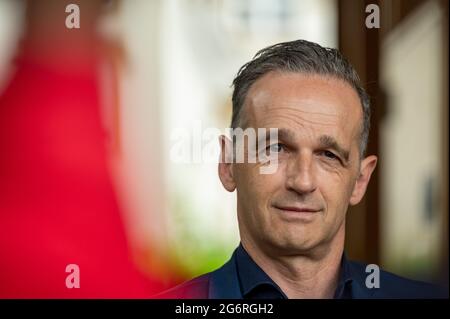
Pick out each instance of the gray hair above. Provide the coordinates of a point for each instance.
(303, 57)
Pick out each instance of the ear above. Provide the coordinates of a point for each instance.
(226, 163)
(366, 168)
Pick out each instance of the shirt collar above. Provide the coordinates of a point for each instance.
(343, 289)
(251, 276)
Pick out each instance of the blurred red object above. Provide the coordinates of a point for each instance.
(57, 204)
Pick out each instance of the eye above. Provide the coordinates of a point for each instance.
(275, 148)
(330, 155)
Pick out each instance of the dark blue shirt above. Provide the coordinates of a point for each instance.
(242, 278)
(256, 284)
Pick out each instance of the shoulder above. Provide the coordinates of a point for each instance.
(391, 286)
(222, 283)
(196, 288)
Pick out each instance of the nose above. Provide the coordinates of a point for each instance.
(301, 174)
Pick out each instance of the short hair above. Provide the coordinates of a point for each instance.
(299, 56)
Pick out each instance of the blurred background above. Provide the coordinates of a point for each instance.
(89, 117)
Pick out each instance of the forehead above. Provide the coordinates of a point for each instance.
(304, 103)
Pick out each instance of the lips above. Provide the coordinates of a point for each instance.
(297, 209)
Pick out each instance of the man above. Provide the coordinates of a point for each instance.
(292, 221)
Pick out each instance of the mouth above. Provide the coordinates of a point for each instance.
(297, 209)
(297, 213)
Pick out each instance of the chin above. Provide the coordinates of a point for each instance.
(293, 244)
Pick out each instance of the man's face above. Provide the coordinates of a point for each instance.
(319, 173)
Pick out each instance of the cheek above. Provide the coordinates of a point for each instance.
(259, 188)
(271, 182)
(336, 188)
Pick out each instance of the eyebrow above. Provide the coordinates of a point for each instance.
(282, 134)
(286, 135)
(327, 141)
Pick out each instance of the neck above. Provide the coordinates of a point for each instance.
(314, 274)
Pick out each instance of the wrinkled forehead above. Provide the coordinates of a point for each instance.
(310, 104)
